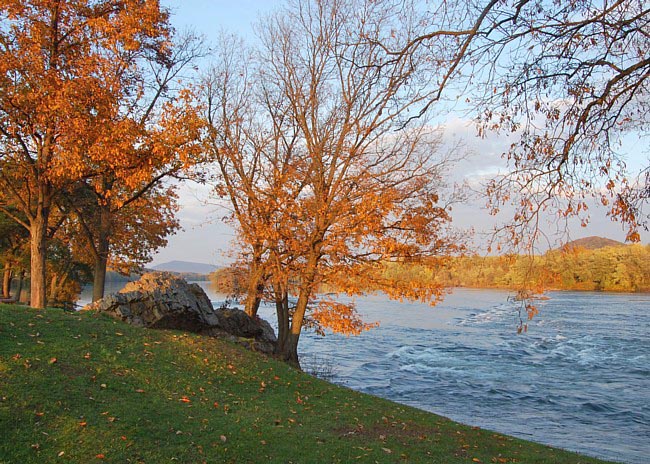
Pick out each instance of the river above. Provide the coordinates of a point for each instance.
(579, 379)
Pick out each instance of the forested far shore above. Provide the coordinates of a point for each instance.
(608, 269)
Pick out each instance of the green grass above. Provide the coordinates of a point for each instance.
(84, 388)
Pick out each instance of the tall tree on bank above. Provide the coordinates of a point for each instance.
(352, 189)
(68, 69)
(124, 234)
(252, 142)
(129, 211)
(568, 80)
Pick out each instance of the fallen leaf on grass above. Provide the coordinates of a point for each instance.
(53, 360)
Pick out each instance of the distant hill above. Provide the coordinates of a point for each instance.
(185, 267)
(592, 243)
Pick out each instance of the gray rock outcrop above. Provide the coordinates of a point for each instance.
(162, 300)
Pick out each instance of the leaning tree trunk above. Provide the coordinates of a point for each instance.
(6, 281)
(254, 289)
(253, 299)
(38, 246)
(58, 284)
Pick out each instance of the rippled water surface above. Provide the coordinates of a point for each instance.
(579, 379)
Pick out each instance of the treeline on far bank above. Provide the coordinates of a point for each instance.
(609, 269)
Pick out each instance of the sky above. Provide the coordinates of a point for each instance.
(205, 238)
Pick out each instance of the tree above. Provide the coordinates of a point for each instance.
(66, 270)
(571, 78)
(71, 86)
(251, 139)
(123, 234)
(332, 187)
(129, 212)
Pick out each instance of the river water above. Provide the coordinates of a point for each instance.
(579, 379)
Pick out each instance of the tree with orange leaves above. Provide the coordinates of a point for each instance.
(126, 211)
(69, 71)
(122, 237)
(325, 178)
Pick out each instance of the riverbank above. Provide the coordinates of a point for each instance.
(84, 388)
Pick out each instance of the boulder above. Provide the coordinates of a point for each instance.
(237, 323)
(162, 300)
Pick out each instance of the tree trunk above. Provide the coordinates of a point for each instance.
(253, 302)
(6, 281)
(254, 290)
(99, 278)
(103, 250)
(19, 289)
(290, 349)
(51, 300)
(58, 284)
(37, 274)
(282, 313)
(290, 352)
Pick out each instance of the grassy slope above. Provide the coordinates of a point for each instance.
(84, 388)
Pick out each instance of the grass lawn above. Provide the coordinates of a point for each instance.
(84, 388)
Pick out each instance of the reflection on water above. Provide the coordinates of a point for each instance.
(579, 379)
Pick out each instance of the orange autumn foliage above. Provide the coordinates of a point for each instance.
(71, 87)
(322, 178)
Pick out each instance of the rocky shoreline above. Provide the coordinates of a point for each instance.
(162, 300)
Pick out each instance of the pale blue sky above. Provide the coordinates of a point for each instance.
(205, 239)
(209, 16)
